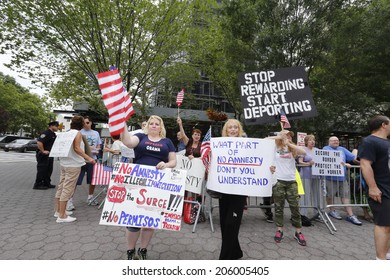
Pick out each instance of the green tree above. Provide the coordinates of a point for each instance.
(21, 109)
(77, 39)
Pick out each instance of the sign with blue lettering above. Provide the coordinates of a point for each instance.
(265, 93)
(143, 196)
(241, 166)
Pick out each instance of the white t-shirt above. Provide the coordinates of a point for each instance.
(73, 159)
(285, 165)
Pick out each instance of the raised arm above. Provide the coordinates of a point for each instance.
(128, 140)
(183, 134)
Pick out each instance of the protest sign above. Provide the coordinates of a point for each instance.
(327, 163)
(301, 138)
(265, 93)
(63, 144)
(143, 196)
(195, 172)
(241, 166)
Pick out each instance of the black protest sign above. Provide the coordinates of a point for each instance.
(265, 93)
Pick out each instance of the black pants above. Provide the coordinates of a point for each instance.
(44, 170)
(231, 208)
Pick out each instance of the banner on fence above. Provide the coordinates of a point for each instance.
(241, 166)
(195, 172)
(143, 196)
(328, 163)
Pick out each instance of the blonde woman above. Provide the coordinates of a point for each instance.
(154, 149)
(231, 207)
(286, 187)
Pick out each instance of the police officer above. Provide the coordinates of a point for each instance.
(44, 162)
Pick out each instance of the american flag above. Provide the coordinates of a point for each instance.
(116, 99)
(180, 97)
(205, 149)
(284, 120)
(101, 175)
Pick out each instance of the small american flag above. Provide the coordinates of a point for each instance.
(101, 175)
(284, 120)
(180, 97)
(116, 99)
(205, 149)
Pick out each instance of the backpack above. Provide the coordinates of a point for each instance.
(306, 221)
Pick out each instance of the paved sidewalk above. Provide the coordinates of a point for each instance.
(29, 231)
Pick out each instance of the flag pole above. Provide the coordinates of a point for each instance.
(281, 125)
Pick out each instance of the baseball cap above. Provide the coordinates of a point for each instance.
(54, 123)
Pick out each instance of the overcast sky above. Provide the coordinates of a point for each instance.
(26, 83)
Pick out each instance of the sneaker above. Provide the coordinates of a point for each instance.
(278, 236)
(92, 202)
(70, 206)
(68, 213)
(300, 238)
(68, 219)
(142, 253)
(353, 219)
(334, 214)
(131, 255)
(269, 218)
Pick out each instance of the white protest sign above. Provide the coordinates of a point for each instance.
(241, 166)
(143, 196)
(327, 163)
(63, 144)
(301, 138)
(195, 172)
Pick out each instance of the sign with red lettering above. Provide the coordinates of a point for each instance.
(144, 196)
(116, 194)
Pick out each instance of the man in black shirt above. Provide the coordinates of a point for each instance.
(44, 162)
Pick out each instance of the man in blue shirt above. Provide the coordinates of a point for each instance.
(338, 186)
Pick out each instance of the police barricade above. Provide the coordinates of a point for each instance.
(319, 195)
(346, 192)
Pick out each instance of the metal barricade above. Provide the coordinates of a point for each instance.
(317, 197)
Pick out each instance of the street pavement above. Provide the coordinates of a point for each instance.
(28, 230)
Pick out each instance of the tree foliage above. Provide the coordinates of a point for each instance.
(76, 39)
(21, 109)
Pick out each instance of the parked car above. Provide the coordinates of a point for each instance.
(5, 139)
(21, 145)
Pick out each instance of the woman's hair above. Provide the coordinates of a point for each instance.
(163, 132)
(308, 138)
(77, 123)
(196, 131)
(232, 122)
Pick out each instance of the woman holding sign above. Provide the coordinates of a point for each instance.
(154, 149)
(231, 207)
(286, 187)
(70, 171)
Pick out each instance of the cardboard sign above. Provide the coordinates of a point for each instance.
(143, 196)
(265, 93)
(63, 144)
(327, 163)
(195, 172)
(241, 166)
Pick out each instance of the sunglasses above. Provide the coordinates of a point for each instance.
(87, 122)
